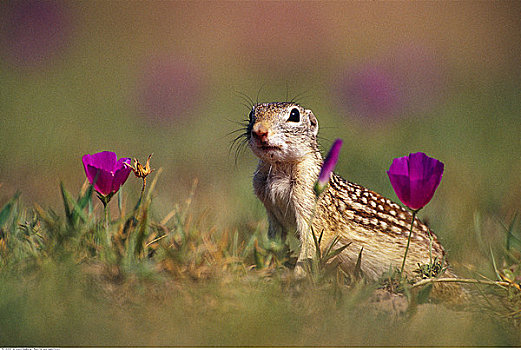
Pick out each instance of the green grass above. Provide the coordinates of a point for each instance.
(179, 281)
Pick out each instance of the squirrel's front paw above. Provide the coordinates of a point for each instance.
(302, 268)
(300, 271)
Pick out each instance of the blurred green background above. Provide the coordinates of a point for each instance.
(389, 78)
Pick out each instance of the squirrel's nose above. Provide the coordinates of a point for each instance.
(260, 132)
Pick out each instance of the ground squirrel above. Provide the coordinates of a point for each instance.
(283, 135)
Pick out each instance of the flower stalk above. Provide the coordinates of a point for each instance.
(414, 212)
(142, 171)
(106, 222)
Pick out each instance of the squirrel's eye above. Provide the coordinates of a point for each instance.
(294, 115)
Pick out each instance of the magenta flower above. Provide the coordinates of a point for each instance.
(328, 166)
(415, 178)
(106, 172)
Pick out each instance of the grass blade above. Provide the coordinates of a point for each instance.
(8, 208)
(77, 212)
(358, 266)
(235, 244)
(65, 196)
(142, 232)
(336, 251)
(317, 243)
(494, 265)
(478, 232)
(331, 245)
(509, 232)
(86, 198)
(331, 254)
(257, 256)
(78, 206)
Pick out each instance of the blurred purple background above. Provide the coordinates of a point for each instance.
(168, 87)
(408, 80)
(34, 33)
(164, 77)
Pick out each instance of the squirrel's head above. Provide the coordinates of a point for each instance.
(282, 132)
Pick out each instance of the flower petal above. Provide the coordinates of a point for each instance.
(418, 166)
(415, 178)
(121, 175)
(121, 161)
(400, 166)
(401, 185)
(421, 194)
(330, 162)
(87, 160)
(105, 160)
(102, 180)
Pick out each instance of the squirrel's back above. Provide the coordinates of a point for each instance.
(380, 227)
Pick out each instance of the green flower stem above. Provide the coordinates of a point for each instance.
(143, 188)
(141, 195)
(105, 200)
(106, 222)
(414, 212)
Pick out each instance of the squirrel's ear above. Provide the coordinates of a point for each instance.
(314, 123)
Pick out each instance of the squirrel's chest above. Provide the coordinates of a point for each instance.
(276, 191)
